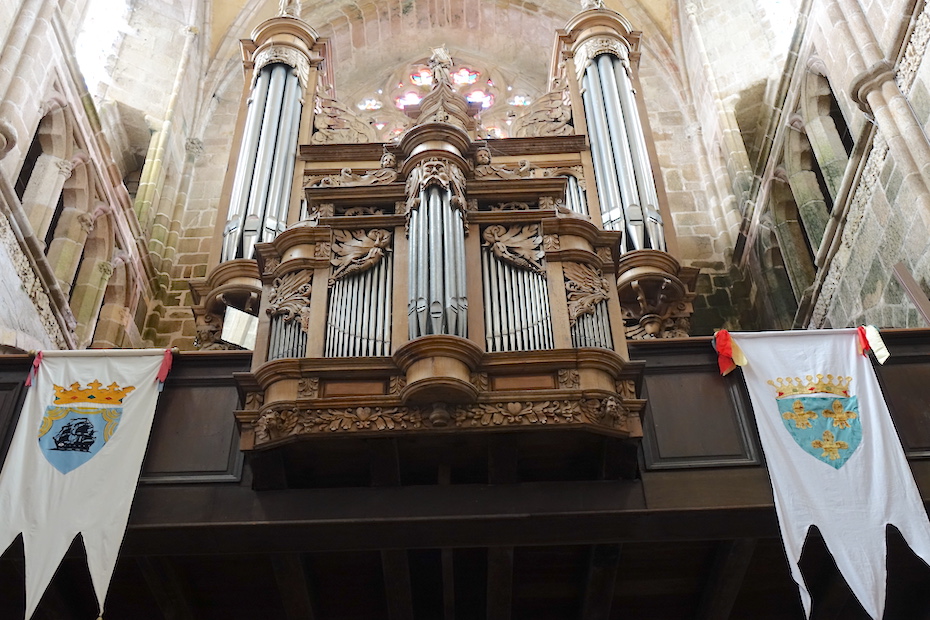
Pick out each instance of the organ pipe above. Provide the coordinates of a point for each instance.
(262, 185)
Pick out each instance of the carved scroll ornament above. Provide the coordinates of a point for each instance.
(356, 251)
(520, 246)
(585, 287)
(334, 123)
(290, 296)
(550, 115)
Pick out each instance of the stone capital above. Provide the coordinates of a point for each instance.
(868, 81)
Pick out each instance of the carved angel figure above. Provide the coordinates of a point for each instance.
(440, 63)
(355, 251)
(484, 169)
(585, 287)
(518, 245)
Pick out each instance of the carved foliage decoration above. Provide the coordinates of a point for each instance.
(550, 115)
(290, 296)
(520, 246)
(585, 287)
(439, 172)
(596, 46)
(334, 123)
(278, 424)
(308, 387)
(357, 250)
(287, 55)
(569, 379)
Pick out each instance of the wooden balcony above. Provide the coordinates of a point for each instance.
(526, 524)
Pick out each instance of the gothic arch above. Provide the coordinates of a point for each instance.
(820, 113)
(801, 171)
(795, 247)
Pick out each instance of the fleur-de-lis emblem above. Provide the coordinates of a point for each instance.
(802, 418)
(840, 416)
(831, 449)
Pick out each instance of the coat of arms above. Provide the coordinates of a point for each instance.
(80, 422)
(821, 416)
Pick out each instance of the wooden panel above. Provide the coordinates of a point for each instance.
(194, 437)
(694, 417)
(354, 388)
(523, 382)
(13, 372)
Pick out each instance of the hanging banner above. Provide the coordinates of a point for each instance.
(75, 459)
(831, 449)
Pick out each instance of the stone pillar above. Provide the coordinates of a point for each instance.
(45, 185)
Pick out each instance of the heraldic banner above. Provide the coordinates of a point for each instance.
(75, 459)
(833, 456)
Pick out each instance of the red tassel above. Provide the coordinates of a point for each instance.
(35, 368)
(864, 346)
(724, 345)
(165, 365)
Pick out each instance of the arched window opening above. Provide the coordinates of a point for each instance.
(25, 173)
(839, 121)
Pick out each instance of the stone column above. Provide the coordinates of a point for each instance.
(45, 185)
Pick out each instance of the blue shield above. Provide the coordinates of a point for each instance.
(826, 427)
(70, 436)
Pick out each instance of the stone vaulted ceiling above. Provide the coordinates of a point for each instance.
(370, 39)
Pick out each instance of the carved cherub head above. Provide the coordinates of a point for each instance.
(483, 157)
(388, 160)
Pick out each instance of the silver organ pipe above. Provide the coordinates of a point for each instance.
(605, 175)
(245, 165)
(620, 146)
(516, 308)
(618, 149)
(643, 167)
(593, 330)
(288, 339)
(359, 318)
(437, 297)
(574, 196)
(262, 185)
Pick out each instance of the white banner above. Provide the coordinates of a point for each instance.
(833, 456)
(75, 460)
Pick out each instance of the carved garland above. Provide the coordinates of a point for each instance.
(585, 287)
(356, 251)
(290, 296)
(520, 246)
(287, 422)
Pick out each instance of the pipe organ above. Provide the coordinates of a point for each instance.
(444, 279)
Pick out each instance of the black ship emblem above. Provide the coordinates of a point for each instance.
(76, 435)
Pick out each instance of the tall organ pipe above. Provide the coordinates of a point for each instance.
(644, 179)
(620, 147)
(262, 185)
(605, 175)
(437, 302)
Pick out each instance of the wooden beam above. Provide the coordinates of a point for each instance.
(725, 578)
(500, 583)
(448, 584)
(398, 591)
(293, 586)
(603, 563)
(193, 520)
(167, 588)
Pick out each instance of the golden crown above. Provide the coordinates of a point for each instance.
(93, 393)
(811, 385)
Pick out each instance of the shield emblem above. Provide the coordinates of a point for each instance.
(70, 435)
(826, 427)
